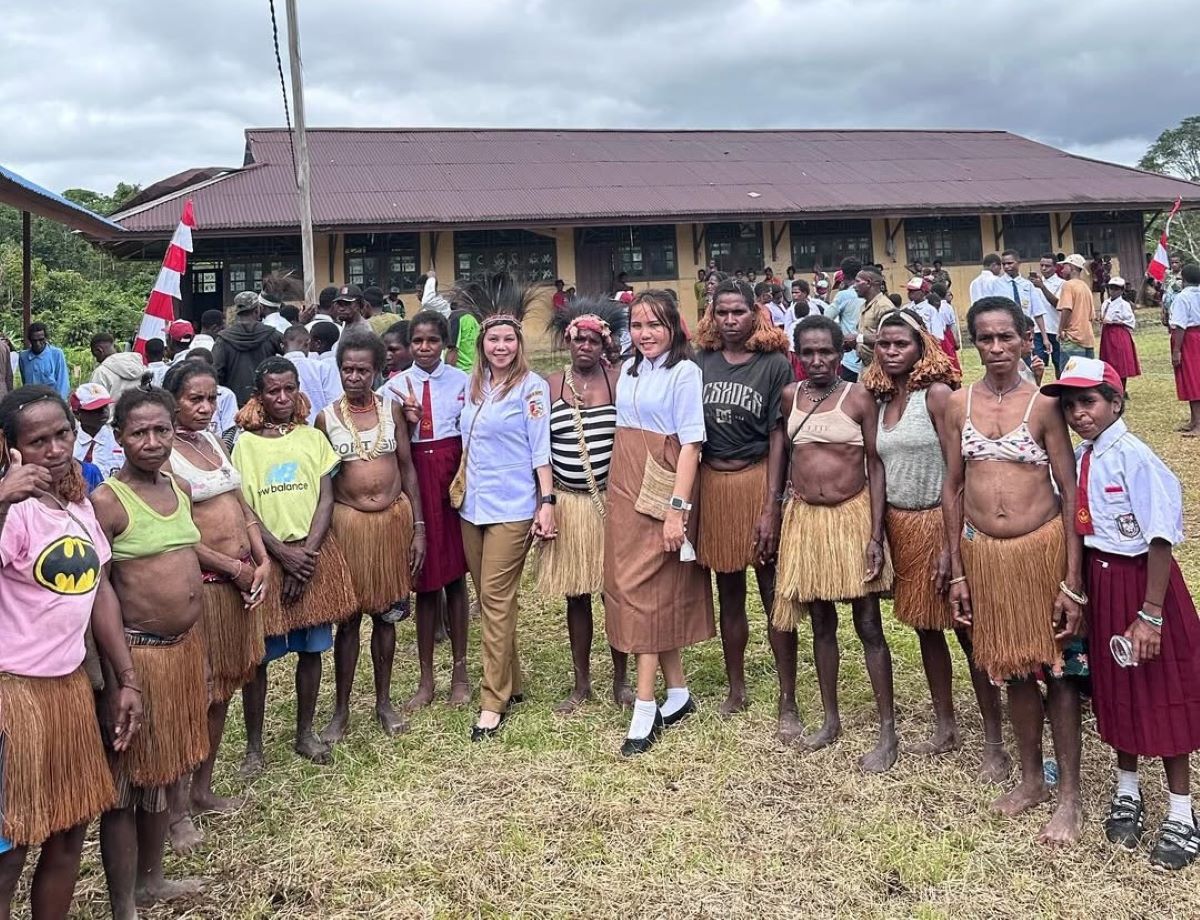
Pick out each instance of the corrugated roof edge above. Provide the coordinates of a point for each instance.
(180, 193)
(58, 208)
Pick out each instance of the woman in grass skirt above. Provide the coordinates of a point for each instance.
(1116, 333)
(1144, 635)
(743, 359)
(53, 584)
(583, 424)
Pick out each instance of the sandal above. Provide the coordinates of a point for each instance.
(1177, 845)
(1126, 822)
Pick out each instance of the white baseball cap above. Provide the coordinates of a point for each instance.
(1075, 259)
(915, 284)
(1116, 281)
(89, 396)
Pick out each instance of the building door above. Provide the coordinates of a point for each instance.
(206, 291)
(595, 265)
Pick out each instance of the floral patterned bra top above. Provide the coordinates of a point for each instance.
(1018, 446)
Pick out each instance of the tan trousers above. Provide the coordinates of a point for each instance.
(496, 557)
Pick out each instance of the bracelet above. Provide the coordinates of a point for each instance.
(254, 524)
(959, 580)
(418, 523)
(1150, 618)
(125, 684)
(1077, 598)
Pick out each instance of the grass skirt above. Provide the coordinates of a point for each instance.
(376, 546)
(329, 597)
(572, 564)
(822, 556)
(53, 772)
(916, 539)
(174, 734)
(1014, 583)
(233, 638)
(729, 507)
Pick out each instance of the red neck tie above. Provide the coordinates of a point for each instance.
(1083, 513)
(87, 458)
(425, 431)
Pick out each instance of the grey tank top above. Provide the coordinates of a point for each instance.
(912, 457)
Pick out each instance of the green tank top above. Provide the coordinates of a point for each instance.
(150, 533)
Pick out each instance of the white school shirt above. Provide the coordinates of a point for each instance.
(1118, 311)
(227, 409)
(320, 381)
(778, 313)
(276, 320)
(1185, 309)
(1024, 296)
(447, 396)
(948, 316)
(985, 286)
(1041, 306)
(1132, 495)
(107, 454)
(432, 300)
(931, 317)
(505, 439)
(669, 401)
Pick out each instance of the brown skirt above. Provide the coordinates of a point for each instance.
(822, 556)
(916, 539)
(729, 507)
(1014, 583)
(572, 564)
(53, 773)
(174, 734)
(376, 546)
(652, 601)
(233, 638)
(329, 597)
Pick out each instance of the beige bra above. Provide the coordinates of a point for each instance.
(832, 427)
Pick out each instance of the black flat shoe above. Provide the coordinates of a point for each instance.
(1126, 822)
(516, 698)
(1176, 847)
(681, 713)
(479, 733)
(634, 746)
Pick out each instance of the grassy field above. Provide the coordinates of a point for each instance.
(719, 821)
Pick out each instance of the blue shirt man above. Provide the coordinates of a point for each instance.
(845, 310)
(43, 364)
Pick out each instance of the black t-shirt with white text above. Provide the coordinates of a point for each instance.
(741, 403)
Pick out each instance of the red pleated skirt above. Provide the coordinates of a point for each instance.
(1187, 375)
(1118, 349)
(951, 352)
(436, 463)
(1152, 710)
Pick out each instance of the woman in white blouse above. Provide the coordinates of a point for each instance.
(509, 490)
(657, 599)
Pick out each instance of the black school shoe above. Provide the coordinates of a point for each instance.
(1176, 847)
(1126, 822)
(634, 746)
(479, 733)
(681, 713)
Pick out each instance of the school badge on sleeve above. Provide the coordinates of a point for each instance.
(536, 407)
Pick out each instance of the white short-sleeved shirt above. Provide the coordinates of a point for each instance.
(931, 316)
(1132, 495)
(666, 400)
(505, 439)
(1185, 309)
(986, 285)
(1118, 311)
(948, 316)
(319, 380)
(1020, 290)
(1041, 306)
(447, 396)
(105, 452)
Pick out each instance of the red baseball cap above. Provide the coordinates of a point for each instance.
(1083, 374)
(181, 331)
(89, 396)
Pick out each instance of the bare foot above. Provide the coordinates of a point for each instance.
(623, 694)
(790, 729)
(942, 741)
(207, 803)
(185, 837)
(252, 765)
(390, 721)
(1024, 797)
(422, 698)
(996, 766)
(734, 703)
(1065, 825)
(578, 697)
(310, 747)
(157, 890)
(882, 757)
(828, 733)
(335, 731)
(460, 691)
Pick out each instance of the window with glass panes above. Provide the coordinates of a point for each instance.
(1028, 234)
(735, 247)
(950, 239)
(204, 277)
(824, 243)
(528, 257)
(1098, 231)
(640, 252)
(383, 260)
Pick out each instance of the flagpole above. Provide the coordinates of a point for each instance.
(303, 180)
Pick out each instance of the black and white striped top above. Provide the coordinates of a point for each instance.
(599, 432)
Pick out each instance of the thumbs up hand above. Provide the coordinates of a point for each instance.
(21, 481)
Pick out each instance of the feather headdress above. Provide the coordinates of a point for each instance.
(496, 300)
(606, 317)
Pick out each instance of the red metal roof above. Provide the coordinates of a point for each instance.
(431, 178)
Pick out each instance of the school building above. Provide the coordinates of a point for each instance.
(586, 205)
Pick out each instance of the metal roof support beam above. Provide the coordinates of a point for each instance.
(776, 237)
(26, 271)
(890, 230)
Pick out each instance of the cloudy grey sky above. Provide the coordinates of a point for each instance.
(92, 93)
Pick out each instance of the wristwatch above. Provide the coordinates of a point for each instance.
(550, 499)
(678, 504)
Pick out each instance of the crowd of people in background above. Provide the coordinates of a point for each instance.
(267, 486)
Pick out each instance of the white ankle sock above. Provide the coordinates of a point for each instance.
(1127, 783)
(1179, 808)
(643, 718)
(677, 698)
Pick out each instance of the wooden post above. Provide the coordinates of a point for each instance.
(26, 273)
(302, 170)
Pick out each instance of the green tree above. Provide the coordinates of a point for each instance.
(1177, 153)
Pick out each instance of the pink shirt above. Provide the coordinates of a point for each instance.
(49, 575)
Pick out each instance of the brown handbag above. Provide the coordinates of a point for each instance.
(458, 485)
(658, 482)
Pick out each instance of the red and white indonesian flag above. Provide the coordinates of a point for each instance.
(1157, 269)
(160, 308)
